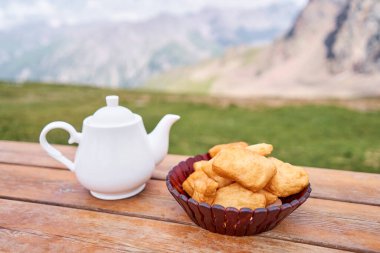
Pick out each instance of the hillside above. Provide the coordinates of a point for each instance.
(126, 53)
(203, 77)
(332, 50)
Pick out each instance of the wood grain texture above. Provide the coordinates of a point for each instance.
(319, 222)
(31, 147)
(36, 242)
(27, 153)
(355, 187)
(126, 233)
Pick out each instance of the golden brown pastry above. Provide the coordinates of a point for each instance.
(237, 196)
(207, 168)
(261, 148)
(251, 170)
(288, 180)
(200, 187)
(199, 165)
(217, 148)
(270, 198)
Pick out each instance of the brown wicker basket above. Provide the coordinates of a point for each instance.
(228, 221)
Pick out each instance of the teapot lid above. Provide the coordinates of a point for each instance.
(112, 114)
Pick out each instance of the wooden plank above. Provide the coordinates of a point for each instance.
(355, 187)
(14, 157)
(60, 187)
(35, 242)
(27, 153)
(31, 147)
(129, 233)
(319, 222)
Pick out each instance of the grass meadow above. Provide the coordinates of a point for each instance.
(310, 135)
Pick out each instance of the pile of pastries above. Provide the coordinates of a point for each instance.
(242, 176)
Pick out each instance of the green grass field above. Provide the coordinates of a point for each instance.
(310, 135)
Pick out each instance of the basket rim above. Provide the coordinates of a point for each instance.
(297, 201)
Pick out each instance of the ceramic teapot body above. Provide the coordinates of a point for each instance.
(113, 161)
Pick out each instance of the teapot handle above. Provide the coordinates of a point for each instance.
(53, 152)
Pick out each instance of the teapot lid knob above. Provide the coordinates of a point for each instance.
(111, 115)
(112, 100)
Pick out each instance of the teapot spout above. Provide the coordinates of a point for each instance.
(159, 137)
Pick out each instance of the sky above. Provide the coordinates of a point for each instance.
(64, 12)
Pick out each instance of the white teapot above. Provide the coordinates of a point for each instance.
(115, 156)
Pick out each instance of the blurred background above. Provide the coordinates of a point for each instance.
(303, 75)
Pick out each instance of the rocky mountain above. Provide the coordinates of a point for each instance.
(332, 50)
(354, 44)
(128, 53)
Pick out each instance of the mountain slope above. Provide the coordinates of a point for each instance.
(126, 54)
(202, 77)
(332, 50)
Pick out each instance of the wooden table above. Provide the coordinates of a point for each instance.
(44, 209)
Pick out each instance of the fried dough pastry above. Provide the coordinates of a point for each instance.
(288, 180)
(217, 148)
(261, 148)
(249, 169)
(206, 166)
(200, 187)
(199, 165)
(270, 198)
(237, 196)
